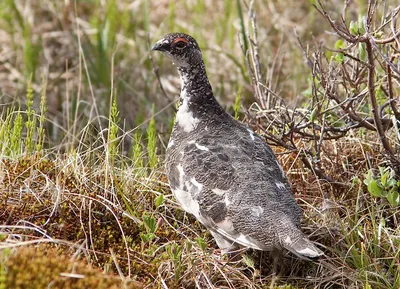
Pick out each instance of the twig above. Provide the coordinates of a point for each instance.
(395, 34)
(375, 108)
(390, 93)
(393, 27)
(339, 29)
(372, 42)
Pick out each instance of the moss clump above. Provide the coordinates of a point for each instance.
(65, 206)
(47, 267)
(70, 206)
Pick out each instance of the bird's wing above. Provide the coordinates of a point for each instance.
(223, 179)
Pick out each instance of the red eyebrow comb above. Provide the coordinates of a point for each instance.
(176, 40)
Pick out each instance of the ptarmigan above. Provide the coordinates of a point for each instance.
(222, 172)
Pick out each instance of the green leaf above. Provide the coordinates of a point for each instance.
(368, 178)
(360, 26)
(375, 189)
(313, 114)
(147, 237)
(394, 198)
(150, 224)
(201, 243)
(248, 260)
(339, 44)
(354, 27)
(362, 51)
(392, 183)
(339, 58)
(159, 200)
(188, 245)
(384, 178)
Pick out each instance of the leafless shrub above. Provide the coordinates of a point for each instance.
(352, 88)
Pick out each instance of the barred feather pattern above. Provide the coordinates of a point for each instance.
(222, 172)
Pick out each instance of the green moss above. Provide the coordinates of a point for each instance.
(73, 210)
(56, 271)
(70, 211)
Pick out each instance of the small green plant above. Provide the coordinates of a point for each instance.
(159, 200)
(174, 252)
(237, 104)
(11, 133)
(16, 135)
(113, 130)
(137, 151)
(42, 119)
(367, 285)
(249, 261)
(30, 123)
(23, 130)
(384, 185)
(152, 142)
(201, 243)
(150, 225)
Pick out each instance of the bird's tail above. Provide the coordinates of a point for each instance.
(301, 246)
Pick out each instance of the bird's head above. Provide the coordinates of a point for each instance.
(181, 48)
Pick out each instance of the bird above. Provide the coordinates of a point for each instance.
(224, 173)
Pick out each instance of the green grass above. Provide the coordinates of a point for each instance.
(113, 129)
(84, 127)
(152, 143)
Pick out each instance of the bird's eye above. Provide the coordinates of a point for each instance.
(180, 44)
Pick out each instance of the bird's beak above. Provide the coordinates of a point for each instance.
(161, 45)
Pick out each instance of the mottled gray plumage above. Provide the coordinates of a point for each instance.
(222, 172)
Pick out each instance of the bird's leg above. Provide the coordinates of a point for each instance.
(277, 258)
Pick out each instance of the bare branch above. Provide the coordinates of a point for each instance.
(375, 109)
(390, 93)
